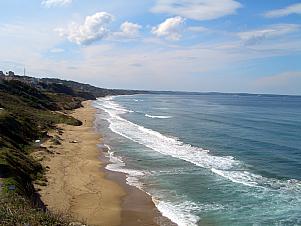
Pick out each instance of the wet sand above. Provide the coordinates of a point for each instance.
(138, 209)
(79, 184)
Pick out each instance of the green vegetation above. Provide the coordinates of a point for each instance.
(26, 114)
(16, 210)
(29, 107)
(87, 91)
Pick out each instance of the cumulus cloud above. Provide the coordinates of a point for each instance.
(128, 30)
(256, 36)
(291, 9)
(171, 28)
(197, 9)
(94, 28)
(56, 3)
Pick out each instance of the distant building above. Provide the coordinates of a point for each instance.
(2, 77)
(9, 76)
(11, 73)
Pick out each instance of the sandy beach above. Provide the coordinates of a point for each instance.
(79, 185)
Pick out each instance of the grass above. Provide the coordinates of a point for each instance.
(16, 210)
(26, 115)
(27, 112)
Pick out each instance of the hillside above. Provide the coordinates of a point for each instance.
(30, 107)
(74, 88)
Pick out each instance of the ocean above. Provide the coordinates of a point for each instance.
(209, 159)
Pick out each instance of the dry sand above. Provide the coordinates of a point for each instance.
(79, 185)
(75, 182)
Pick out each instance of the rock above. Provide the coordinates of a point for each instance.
(56, 141)
(76, 224)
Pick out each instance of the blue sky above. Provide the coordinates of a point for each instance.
(189, 45)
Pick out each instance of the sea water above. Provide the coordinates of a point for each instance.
(209, 159)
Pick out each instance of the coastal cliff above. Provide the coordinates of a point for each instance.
(29, 108)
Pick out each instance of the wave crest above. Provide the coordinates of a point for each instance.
(157, 116)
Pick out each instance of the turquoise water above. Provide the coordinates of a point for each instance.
(209, 159)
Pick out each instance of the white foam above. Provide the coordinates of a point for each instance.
(117, 165)
(184, 213)
(242, 177)
(179, 213)
(163, 144)
(169, 146)
(157, 116)
(107, 147)
(224, 166)
(112, 106)
(255, 180)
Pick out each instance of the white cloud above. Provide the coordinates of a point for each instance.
(94, 28)
(37, 37)
(128, 30)
(197, 9)
(256, 36)
(291, 9)
(171, 28)
(197, 29)
(56, 3)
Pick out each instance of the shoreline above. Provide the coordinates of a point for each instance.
(137, 206)
(79, 184)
